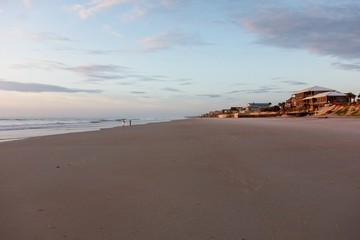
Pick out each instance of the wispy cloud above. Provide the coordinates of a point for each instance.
(46, 65)
(330, 30)
(109, 30)
(94, 72)
(39, 88)
(97, 71)
(235, 91)
(347, 66)
(261, 89)
(276, 78)
(170, 39)
(135, 13)
(146, 7)
(90, 71)
(210, 95)
(170, 89)
(140, 8)
(26, 3)
(138, 92)
(103, 52)
(151, 78)
(39, 36)
(186, 83)
(295, 83)
(91, 7)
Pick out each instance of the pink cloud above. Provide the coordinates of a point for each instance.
(27, 3)
(169, 39)
(86, 10)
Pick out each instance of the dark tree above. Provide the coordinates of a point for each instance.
(350, 96)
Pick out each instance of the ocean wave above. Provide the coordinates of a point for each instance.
(19, 128)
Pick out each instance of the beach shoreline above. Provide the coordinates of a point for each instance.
(13, 129)
(273, 178)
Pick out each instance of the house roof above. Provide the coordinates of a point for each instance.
(327, 94)
(315, 89)
(258, 105)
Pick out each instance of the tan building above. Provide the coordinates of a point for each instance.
(311, 98)
(321, 99)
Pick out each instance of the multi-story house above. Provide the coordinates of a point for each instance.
(314, 97)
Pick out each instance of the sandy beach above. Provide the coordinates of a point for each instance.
(294, 178)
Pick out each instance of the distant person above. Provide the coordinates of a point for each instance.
(123, 123)
(130, 122)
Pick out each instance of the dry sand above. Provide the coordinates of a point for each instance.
(193, 179)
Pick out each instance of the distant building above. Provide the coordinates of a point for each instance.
(257, 107)
(321, 99)
(226, 111)
(237, 109)
(229, 113)
(311, 98)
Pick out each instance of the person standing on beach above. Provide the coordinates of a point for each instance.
(130, 122)
(123, 123)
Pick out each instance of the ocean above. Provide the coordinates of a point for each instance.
(20, 128)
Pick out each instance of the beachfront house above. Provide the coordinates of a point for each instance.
(229, 113)
(314, 97)
(257, 107)
(321, 99)
(237, 109)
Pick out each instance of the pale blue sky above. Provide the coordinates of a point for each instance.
(170, 58)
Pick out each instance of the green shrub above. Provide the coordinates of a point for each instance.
(342, 111)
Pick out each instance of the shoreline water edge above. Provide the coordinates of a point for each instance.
(12, 129)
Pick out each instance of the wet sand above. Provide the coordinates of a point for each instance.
(191, 179)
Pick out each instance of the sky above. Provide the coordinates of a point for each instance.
(171, 58)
